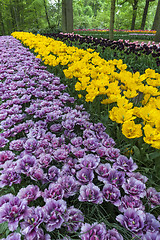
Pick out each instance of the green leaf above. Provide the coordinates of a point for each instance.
(157, 167)
(154, 155)
(3, 227)
(137, 152)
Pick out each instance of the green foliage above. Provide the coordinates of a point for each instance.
(25, 15)
(29, 15)
(4, 231)
(101, 14)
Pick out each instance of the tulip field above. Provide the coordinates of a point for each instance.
(79, 139)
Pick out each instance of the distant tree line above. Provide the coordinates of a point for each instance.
(65, 15)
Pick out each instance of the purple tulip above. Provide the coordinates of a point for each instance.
(16, 145)
(101, 151)
(115, 177)
(77, 141)
(7, 123)
(103, 170)
(68, 170)
(56, 142)
(99, 127)
(89, 161)
(85, 175)
(88, 134)
(26, 163)
(111, 194)
(32, 219)
(5, 198)
(130, 202)
(3, 142)
(54, 211)
(125, 164)
(55, 191)
(69, 185)
(69, 124)
(113, 234)
(112, 154)
(30, 145)
(78, 151)
(37, 173)
(153, 197)
(44, 160)
(90, 193)
(132, 220)
(53, 174)
(9, 177)
(41, 235)
(3, 116)
(135, 188)
(138, 176)
(94, 231)
(69, 134)
(56, 127)
(6, 156)
(30, 193)
(52, 116)
(151, 236)
(12, 212)
(73, 219)
(60, 155)
(91, 144)
(108, 142)
(13, 236)
(151, 223)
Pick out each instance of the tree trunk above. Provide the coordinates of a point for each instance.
(16, 19)
(17, 7)
(157, 37)
(58, 14)
(1, 22)
(22, 7)
(156, 18)
(134, 15)
(67, 16)
(37, 23)
(47, 18)
(112, 16)
(145, 15)
(13, 22)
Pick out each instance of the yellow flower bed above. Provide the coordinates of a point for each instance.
(136, 97)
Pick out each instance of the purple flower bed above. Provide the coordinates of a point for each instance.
(55, 162)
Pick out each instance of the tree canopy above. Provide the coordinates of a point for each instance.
(34, 15)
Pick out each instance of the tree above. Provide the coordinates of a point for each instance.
(1, 20)
(156, 18)
(145, 11)
(112, 16)
(47, 18)
(157, 23)
(134, 14)
(95, 5)
(157, 36)
(67, 15)
(58, 13)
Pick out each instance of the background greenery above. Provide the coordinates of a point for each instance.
(37, 15)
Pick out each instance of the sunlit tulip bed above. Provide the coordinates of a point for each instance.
(62, 175)
(119, 33)
(118, 30)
